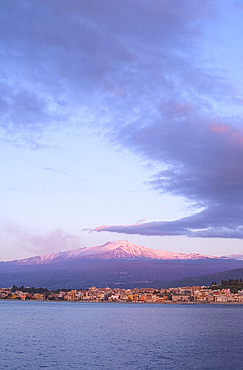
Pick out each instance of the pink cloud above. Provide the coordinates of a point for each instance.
(117, 90)
(219, 127)
(32, 243)
(100, 228)
(175, 107)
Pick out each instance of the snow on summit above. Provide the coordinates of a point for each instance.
(111, 250)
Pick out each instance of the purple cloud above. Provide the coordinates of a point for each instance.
(138, 72)
(202, 160)
(198, 225)
(79, 61)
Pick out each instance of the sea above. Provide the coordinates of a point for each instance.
(80, 335)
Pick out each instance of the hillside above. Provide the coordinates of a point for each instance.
(205, 280)
(124, 273)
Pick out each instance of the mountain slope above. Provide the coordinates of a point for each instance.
(110, 250)
(115, 264)
(123, 273)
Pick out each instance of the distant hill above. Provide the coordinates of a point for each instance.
(203, 279)
(115, 264)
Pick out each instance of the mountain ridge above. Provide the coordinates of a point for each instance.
(110, 250)
(114, 264)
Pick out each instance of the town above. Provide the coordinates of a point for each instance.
(225, 293)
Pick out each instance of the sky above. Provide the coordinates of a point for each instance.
(121, 119)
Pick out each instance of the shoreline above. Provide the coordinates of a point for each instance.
(152, 303)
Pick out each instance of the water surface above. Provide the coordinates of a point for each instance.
(65, 335)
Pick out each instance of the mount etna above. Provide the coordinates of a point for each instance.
(115, 264)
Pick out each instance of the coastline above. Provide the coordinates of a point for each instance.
(130, 303)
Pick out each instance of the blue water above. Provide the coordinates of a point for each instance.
(64, 335)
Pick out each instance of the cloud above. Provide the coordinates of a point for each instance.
(15, 237)
(138, 72)
(202, 162)
(141, 221)
(199, 225)
(236, 256)
(94, 63)
(56, 170)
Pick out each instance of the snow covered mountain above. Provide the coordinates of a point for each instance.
(114, 264)
(110, 250)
